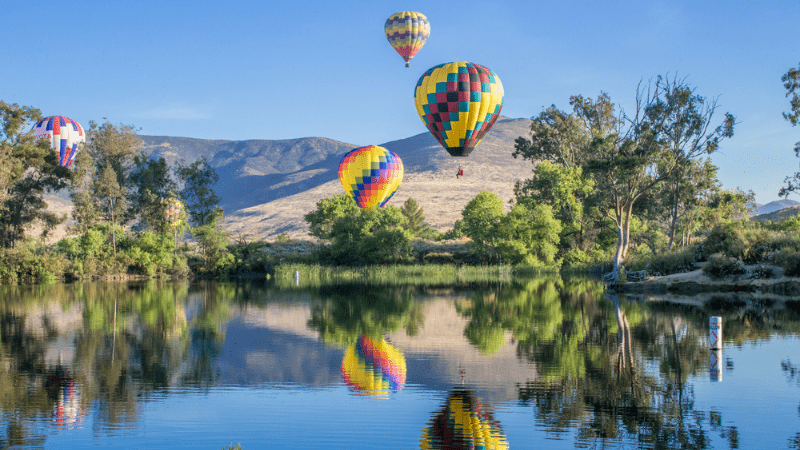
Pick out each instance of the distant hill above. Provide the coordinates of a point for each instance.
(778, 215)
(267, 186)
(777, 205)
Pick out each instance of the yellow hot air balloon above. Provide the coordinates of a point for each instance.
(370, 175)
(407, 32)
(459, 102)
(464, 423)
(373, 367)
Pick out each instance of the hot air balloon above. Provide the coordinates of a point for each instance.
(464, 423)
(459, 102)
(373, 368)
(370, 175)
(407, 31)
(65, 136)
(172, 210)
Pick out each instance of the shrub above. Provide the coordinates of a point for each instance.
(667, 263)
(721, 266)
(762, 272)
(789, 259)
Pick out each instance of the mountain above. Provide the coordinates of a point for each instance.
(778, 215)
(267, 186)
(777, 205)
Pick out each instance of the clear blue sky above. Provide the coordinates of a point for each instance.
(279, 70)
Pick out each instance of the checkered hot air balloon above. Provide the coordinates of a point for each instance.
(464, 423)
(459, 102)
(172, 210)
(370, 175)
(373, 368)
(407, 32)
(66, 137)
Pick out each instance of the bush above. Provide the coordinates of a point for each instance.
(735, 240)
(721, 266)
(762, 272)
(789, 259)
(668, 263)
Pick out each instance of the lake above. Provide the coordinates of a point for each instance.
(548, 362)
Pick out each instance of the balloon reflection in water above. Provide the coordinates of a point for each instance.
(464, 423)
(373, 368)
(66, 396)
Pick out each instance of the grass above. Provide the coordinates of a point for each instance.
(424, 274)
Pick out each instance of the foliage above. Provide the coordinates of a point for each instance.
(153, 186)
(213, 242)
(481, 219)
(373, 236)
(626, 155)
(720, 266)
(28, 169)
(523, 236)
(201, 201)
(675, 261)
(329, 209)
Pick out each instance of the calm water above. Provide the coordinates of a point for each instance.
(545, 363)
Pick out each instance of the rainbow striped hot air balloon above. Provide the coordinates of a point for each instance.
(407, 32)
(370, 175)
(464, 423)
(373, 368)
(459, 102)
(65, 136)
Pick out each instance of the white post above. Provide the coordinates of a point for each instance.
(715, 332)
(715, 365)
(297, 278)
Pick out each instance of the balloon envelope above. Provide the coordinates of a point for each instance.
(407, 32)
(464, 423)
(65, 136)
(373, 367)
(172, 210)
(459, 102)
(370, 175)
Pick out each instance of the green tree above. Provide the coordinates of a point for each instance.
(102, 183)
(201, 201)
(28, 169)
(329, 209)
(373, 236)
(529, 235)
(627, 155)
(415, 217)
(154, 185)
(683, 122)
(213, 241)
(481, 219)
(567, 190)
(791, 81)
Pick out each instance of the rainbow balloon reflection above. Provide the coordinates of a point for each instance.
(464, 423)
(373, 368)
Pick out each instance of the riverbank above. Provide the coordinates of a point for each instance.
(696, 282)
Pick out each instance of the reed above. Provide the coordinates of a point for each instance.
(424, 274)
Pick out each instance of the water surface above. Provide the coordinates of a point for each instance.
(544, 363)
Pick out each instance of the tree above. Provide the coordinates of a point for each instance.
(28, 169)
(627, 155)
(373, 236)
(480, 221)
(154, 185)
(791, 81)
(102, 182)
(529, 235)
(329, 209)
(198, 180)
(567, 191)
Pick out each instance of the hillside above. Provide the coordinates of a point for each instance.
(777, 205)
(778, 215)
(266, 187)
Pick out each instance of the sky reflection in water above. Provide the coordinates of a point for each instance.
(539, 363)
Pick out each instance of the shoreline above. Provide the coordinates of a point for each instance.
(696, 283)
